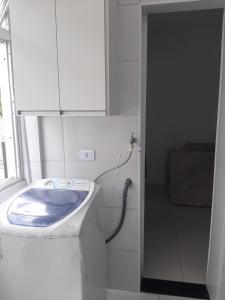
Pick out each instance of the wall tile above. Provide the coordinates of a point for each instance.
(127, 239)
(222, 108)
(128, 33)
(86, 169)
(123, 271)
(52, 138)
(127, 2)
(53, 169)
(221, 141)
(35, 171)
(115, 199)
(25, 166)
(223, 287)
(217, 229)
(108, 221)
(222, 85)
(108, 136)
(32, 139)
(128, 88)
(219, 192)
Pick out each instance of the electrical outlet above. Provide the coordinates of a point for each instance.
(87, 154)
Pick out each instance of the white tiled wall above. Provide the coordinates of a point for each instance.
(223, 288)
(128, 33)
(62, 138)
(128, 57)
(52, 139)
(108, 135)
(125, 2)
(128, 87)
(31, 148)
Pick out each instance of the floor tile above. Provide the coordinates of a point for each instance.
(176, 239)
(160, 230)
(162, 262)
(194, 265)
(124, 295)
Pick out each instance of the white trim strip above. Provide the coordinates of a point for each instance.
(84, 113)
(100, 113)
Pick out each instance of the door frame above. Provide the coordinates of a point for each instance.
(169, 6)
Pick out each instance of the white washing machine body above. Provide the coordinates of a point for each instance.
(52, 242)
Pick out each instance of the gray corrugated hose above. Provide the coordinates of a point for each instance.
(128, 182)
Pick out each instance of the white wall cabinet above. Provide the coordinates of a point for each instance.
(81, 54)
(34, 55)
(61, 54)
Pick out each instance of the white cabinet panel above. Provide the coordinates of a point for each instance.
(81, 54)
(34, 55)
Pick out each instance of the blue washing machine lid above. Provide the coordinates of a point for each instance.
(43, 207)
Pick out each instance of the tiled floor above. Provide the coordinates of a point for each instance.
(122, 295)
(176, 239)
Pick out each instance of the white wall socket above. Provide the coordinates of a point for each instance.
(87, 154)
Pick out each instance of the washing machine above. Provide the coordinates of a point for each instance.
(52, 242)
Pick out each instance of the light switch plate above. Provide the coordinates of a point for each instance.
(87, 154)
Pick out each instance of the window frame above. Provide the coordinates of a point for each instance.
(5, 37)
(4, 10)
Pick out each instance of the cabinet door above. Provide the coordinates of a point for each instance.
(81, 54)
(34, 47)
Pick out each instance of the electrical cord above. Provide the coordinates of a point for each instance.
(128, 182)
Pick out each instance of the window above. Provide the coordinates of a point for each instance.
(10, 170)
(4, 14)
(5, 21)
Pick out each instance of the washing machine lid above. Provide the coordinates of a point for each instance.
(39, 207)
